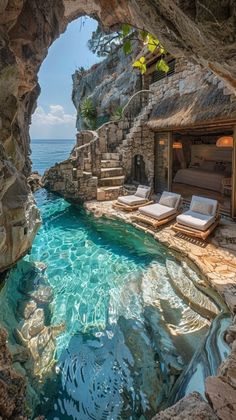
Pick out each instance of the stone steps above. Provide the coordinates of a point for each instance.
(186, 289)
(110, 156)
(111, 172)
(110, 163)
(113, 181)
(109, 193)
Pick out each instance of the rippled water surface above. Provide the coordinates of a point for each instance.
(121, 350)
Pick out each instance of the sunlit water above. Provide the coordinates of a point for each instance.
(116, 357)
(45, 153)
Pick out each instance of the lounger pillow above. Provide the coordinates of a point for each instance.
(168, 200)
(202, 207)
(142, 191)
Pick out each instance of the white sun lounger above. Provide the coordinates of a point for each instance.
(134, 201)
(160, 213)
(201, 218)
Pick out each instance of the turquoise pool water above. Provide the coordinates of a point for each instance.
(120, 352)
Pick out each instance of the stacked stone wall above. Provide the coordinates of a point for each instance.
(142, 143)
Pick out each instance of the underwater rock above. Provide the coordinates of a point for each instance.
(222, 397)
(186, 289)
(192, 407)
(205, 361)
(26, 308)
(43, 294)
(227, 370)
(12, 385)
(19, 353)
(33, 325)
(150, 378)
(41, 266)
(42, 348)
(167, 352)
(184, 325)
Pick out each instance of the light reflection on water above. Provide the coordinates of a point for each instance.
(121, 349)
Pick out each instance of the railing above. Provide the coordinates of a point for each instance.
(90, 144)
(89, 148)
(136, 104)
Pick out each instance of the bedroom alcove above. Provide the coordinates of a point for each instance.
(194, 162)
(203, 165)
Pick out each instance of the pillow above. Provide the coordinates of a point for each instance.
(196, 162)
(202, 207)
(208, 165)
(142, 191)
(168, 200)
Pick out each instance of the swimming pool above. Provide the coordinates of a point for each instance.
(110, 335)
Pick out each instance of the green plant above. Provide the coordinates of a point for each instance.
(89, 113)
(152, 44)
(117, 114)
(103, 44)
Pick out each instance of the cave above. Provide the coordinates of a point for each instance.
(28, 28)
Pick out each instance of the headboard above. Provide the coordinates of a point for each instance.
(211, 152)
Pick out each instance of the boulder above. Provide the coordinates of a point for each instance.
(222, 398)
(192, 407)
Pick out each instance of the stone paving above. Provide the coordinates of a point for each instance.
(216, 260)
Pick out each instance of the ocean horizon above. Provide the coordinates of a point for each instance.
(46, 152)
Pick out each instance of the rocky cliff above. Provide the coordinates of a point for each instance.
(108, 84)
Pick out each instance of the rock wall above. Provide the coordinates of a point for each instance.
(108, 84)
(12, 384)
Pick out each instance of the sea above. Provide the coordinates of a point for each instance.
(46, 152)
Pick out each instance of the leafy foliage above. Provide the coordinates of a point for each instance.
(141, 64)
(117, 114)
(103, 44)
(89, 113)
(153, 45)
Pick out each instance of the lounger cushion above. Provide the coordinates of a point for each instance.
(202, 207)
(131, 200)
(143, 191)
(170, 199)
(195, 220)
(208, 201)
(157, 211)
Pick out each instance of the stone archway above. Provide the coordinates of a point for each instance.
(204, 32)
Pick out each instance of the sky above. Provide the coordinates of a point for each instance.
(55, 115)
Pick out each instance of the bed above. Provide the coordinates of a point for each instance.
(209, 166)
(201, 178)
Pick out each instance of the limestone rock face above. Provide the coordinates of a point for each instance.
(109, 85)
(34, 181)
(222, 397)
(12, 385)
(192, 407)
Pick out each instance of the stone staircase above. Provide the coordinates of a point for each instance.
(95, 168)
(111, 181)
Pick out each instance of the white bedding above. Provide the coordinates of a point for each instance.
(200, 178)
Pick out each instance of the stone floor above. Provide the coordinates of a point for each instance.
(216, 260)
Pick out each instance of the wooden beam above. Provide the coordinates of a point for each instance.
(170, 159)
(233, 194)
